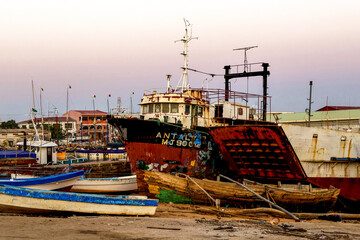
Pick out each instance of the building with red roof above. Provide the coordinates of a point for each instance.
(91, 125)
(335, 108)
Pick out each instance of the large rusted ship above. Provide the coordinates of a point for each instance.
(202, 132)
(329, 157)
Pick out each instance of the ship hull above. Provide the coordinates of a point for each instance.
(329, 157)
(241, 151)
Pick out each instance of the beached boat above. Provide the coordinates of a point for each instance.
(329, 157)
(105, 185)
(63, 182)
(101, 154)
(25, 200)
(203, 132)
(167, 186)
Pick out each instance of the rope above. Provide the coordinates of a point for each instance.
(210, 74)
(262, 198)
(207, 194)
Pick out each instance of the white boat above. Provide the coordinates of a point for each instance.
(105, 185)
(25, 200)
(63, 182)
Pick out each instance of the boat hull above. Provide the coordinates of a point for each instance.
(105, 185)
(254, 151)
(294, 199)
(329, 157)
(61, 182)
(24, 200)
(347, 186)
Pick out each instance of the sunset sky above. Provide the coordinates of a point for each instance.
(118, 47)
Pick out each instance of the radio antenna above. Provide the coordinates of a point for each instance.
(245, 56)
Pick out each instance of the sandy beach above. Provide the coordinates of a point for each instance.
(173, 222)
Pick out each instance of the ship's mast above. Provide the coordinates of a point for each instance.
(186, 39)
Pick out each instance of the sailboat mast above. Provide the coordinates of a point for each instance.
(32, 86)
(42, 116)
(67, 115)
(33, 113)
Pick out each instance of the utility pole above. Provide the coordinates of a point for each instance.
(131, 108)
(57, 126)
(107, 122)
(310, 102)
(67, 115)
(94, 119)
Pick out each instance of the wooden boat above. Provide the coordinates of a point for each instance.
(105, 185)
(161, 184)
(25, 200)
(63, 182)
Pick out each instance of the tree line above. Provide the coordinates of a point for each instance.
(56, 131)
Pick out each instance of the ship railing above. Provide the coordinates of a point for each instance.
(213, 96)
(247, 67)
(249, 100)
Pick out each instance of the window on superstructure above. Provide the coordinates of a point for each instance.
(98, 118)
(240, 111)
(200, 111)
(219, 110)
(165, 107)
(91, 118)
(174, 108)
(85, 128)
(187, 109)
(157, 107)
(151, 108)
(92, 127)
(99, 127)
(85, 118)
(144, 107)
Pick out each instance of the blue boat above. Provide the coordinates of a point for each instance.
(61, 182)
(25, 200)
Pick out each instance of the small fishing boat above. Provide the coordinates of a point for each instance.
(105, 185)
(61, 182)
(25, 200)
(167, 186)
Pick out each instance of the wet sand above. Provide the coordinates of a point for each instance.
(172, 222)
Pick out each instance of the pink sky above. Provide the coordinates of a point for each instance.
(118, 47)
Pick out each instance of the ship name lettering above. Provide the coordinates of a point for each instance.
(179, 140)
(173, 134)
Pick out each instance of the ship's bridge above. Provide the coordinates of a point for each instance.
(198, 107)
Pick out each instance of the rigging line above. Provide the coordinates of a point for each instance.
(210, 74)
